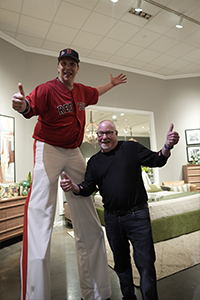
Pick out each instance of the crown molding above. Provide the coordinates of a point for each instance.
(92, 61)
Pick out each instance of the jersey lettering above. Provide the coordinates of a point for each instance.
(60, 109)
(66, 108)
(81, 105)
(70, 107)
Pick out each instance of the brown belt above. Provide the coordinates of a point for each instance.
(122, 212)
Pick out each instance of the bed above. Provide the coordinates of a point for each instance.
(172, 214)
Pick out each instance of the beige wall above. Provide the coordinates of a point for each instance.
(172, 101)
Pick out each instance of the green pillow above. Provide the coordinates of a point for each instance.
(152, 188)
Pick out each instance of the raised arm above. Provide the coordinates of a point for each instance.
(67, 185)
(114, 81)
(171, 140)
(19, 103)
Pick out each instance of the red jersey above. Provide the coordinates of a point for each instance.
(61, 112)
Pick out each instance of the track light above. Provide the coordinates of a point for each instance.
(138, 8)
(179, 25)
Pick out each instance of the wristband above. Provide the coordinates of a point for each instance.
(167, 148)
(26, 109)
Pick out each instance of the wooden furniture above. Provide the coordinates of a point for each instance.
(191, 174)
(11, 217)
(67, 214)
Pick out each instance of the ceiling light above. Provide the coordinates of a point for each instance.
(179, 25)
(90, 131)
(172, 11)
(138, 8)
(114, 117)
(114, 1)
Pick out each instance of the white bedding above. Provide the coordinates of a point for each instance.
(166, 208)
(159, 195)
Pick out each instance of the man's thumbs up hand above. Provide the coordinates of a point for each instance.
(18, 100)
(21, 90)
(172, 137)
(65, 176)
(170, 128)
(66, 183)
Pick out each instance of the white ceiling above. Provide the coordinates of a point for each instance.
(106, 33)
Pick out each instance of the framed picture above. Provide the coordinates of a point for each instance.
(192, 136)
(7, 149)
(193, 151)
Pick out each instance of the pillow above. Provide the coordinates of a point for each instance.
(180, 188)
(170, 183)
(98, 201)
(145, 178)
(165, 188)
(152, 188)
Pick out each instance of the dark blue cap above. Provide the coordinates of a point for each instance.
(69, 53)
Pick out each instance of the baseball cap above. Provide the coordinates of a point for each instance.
(69, 53)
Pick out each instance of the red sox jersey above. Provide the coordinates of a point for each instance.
(61, 112)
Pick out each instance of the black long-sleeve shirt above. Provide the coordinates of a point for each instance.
(118, 174)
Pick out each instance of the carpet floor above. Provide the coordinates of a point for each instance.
(172, 256)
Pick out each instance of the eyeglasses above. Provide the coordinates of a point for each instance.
(108, 133)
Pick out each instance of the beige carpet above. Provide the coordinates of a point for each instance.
(172, 255)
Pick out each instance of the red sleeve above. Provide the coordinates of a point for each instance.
(86, 94)
(91, 96)
(38, 101)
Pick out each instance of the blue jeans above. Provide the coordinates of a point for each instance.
(136, 228)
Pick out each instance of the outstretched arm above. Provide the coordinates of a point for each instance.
(172, 139)
(121, 78)
(67, 185)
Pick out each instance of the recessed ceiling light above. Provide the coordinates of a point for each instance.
(122, 114)
(114, 1)
(114, 117)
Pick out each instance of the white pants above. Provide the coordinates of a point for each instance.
(40, 206)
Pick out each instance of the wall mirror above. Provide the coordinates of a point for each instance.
(7, 149)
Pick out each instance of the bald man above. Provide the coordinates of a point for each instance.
(116, 170)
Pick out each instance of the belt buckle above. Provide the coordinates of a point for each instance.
(121, 213)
